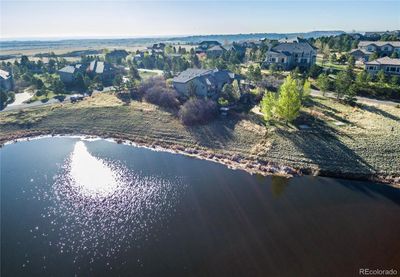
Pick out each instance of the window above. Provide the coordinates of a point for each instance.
(282, 60)
(393, 69)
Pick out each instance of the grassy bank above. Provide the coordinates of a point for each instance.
(339, 140)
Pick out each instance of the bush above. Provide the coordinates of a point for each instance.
(163, 97)
(148, 84)
(198, 111)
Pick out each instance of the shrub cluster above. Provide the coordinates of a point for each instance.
(198, 111)
(155, 91)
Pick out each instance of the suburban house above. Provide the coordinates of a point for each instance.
(116, 55)
(377, 35)
(292, 40)
(206, 45)
(68, 73)
(6, 80)
(360, 54)
(383, 48)
(203, 82)
(215, 51)
(157, 48)
(102, 69)
(389, 65)
(290, 54)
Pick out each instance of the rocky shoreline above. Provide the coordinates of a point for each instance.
(234, 161)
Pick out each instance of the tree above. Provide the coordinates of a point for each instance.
(3, 99)
(305, 91)
(381, 76)
(289, 101)
(395, 55)
(323, 83)
(133, 72)
(118, 83)
(394, 80)
(39, 83)
(373, 57)
(333, 58)
(343, 83)
(268, 105)
(314, 71)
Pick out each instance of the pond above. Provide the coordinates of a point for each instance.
(73, 206)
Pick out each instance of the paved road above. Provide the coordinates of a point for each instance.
(34, 104)
(50, 102)
(360, 99)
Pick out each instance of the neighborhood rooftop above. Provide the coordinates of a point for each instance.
(293, 47)
(4, 74)
(68, 69)
(385, 61)
(190, 74)
(379, 43)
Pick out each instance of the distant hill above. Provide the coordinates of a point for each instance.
(256, 36)
(121, 42)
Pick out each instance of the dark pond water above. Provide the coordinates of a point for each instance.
(95, 208)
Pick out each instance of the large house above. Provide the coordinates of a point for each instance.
(383, 48)
(290, 54)
(102, 69)
(68, 73)
(206, 45)
(389, 65)
(116, 55)
(203, 82)
(215, 51)
(361, 55)
(6, 80)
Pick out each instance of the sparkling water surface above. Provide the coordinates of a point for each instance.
(76, 207)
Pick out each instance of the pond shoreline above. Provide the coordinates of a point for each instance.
(231, 161)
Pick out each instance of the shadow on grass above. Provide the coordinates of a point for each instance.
(323, 147)
(328, 111)
(376, 110)
(219, 132)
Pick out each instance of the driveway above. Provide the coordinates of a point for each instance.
(20, 98)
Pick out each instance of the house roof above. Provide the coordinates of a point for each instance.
(293, 47)
(384, 61)
(360, 50)
(4, 74)
(216, 48)
(100, 67)
(68, 69)
(206, 75)
(379, 43)
(190, 74)
(292, 40)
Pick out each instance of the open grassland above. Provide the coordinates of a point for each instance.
(338, 140)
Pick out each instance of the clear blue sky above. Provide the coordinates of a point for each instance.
(91, 18)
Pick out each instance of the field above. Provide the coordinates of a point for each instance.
(334, 140)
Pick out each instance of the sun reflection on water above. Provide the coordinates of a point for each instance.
(101, 207)
(91, 175)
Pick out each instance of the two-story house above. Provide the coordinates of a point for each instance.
(290, 54)
(383, 48)
(389, 65)
(203, 82)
